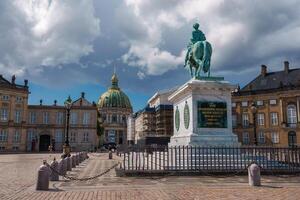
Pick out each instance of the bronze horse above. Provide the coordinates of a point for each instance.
(198, 57)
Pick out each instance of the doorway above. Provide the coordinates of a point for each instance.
(44, 142)
(292, 139)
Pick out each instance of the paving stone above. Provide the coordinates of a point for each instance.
(18, 178)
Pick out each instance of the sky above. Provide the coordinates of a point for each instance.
(65, 47)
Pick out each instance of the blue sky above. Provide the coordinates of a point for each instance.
(65, 47)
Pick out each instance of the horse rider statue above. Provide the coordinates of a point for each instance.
(198, 53)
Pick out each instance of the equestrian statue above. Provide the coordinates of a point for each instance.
(198, 54)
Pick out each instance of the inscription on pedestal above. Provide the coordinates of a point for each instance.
(212, 114)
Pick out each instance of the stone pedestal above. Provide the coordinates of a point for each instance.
(202, 114)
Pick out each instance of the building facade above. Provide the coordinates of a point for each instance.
(154, 124)
(13, 114)
(47, 126)
(114, 108)
(33, 128)
(272, 99)
(131, 129)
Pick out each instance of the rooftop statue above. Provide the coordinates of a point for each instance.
(198, 53)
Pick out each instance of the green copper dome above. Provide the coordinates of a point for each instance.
(114, 97)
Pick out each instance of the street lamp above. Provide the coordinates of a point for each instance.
(254, 111)
(66, 147)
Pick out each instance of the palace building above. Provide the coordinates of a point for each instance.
(33, 128)
(272, 99)
(13, 114)
(114, 108)
(46, 125)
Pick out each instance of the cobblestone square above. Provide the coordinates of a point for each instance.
(19, 171)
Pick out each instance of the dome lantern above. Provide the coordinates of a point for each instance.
(114, 81)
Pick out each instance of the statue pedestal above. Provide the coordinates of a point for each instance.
(202, 114)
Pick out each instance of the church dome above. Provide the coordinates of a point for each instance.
(114, 97)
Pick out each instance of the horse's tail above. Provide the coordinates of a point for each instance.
(207, 51)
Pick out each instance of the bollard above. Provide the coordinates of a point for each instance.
(62, 167)
(77, 158)
(69, 163)
(254, 175)
(80, 157)
(54, 169)
(43, 177)
(73, 161)
(110, 155)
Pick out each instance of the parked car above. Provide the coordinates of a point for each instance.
(110, 146)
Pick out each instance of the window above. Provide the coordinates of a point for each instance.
(261, 137)
(3, 135)
(58, 136)
(45, 118)
(260, 103)
(31, 136)
(18, 116)
(59, 118)
(2, 148)
(15, 148)
(17, 136)
(5, 97)
(73, 137)
(245, 118)
(124, 119)
(114, 119)
(19, 99)
(85, 137)
(234, 120)
(275, 137)
(4, 114)
(73, 117)
(261, 119)
(291, 114)
(32, 118)
(244, 103)
(233, 104)
(273, 102)
(274, 118)
(246, 139)
(104, 117)
(86, 118)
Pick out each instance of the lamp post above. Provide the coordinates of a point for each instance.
(66, 147)
(254, 111)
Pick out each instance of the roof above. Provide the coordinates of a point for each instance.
(163, 92)
(280, 80)
(5, 83)
(82, 101)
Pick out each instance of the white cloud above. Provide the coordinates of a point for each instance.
(39, 33)
(242, 33)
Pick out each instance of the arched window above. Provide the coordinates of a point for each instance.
(114, 119)
(291, 114)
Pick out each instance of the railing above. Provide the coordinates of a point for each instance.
(210, 159)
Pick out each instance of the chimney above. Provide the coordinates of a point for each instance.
(286, 66)
(13, 79)
(41, 102)
(82, 95)
(26, 83)
(263, 71)
(55, 102)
